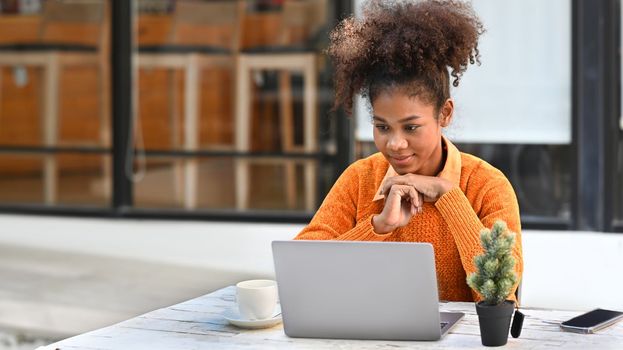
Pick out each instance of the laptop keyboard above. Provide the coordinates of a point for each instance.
(443, 324)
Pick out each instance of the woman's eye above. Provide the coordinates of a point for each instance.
(411, 127)
(381, 127)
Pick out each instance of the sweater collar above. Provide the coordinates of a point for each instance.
(451, 170)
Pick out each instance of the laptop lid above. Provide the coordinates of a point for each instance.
(358, 290)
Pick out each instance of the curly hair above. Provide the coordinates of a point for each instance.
(404, 44)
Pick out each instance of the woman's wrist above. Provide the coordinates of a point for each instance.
(378, 227)
(444, 186)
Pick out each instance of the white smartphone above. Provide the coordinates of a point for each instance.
(592, 321)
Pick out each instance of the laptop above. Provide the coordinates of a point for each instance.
(359, 290)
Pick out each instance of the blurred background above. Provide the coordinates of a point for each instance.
(150, 150)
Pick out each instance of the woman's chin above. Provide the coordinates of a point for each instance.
(403, 169)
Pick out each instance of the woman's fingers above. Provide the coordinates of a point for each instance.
(409, 194)
(386, 187)
(429, 186)
(416, 204)
(402, 202)
(403, 180)
(389, 183)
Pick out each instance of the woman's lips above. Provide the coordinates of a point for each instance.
(401, 160)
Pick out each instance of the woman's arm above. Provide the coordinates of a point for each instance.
(336, 219)
(495, 200)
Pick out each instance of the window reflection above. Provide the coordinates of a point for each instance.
(618, 196)
(239, 77)
(540, 175)
(55, 92)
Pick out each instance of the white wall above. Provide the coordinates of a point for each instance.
(573, 270)
(232, 246)
(563, 269)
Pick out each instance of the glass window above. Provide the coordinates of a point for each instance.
(540, 175)
(55, 103)
(514, 110)
(618, 197)
(231, 103)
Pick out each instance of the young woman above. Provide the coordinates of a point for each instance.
(419, 187)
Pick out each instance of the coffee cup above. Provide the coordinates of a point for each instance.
(256, 299)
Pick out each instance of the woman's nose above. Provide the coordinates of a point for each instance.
(396, 142)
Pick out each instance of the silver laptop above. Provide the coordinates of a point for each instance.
(359, 290)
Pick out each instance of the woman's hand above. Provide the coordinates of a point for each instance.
(404, 197)
(431, 187)
(401, 203)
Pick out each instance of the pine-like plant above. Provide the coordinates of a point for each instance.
(495, 274)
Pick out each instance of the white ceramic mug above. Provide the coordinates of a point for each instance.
(257, 299)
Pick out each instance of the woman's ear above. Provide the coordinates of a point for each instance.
(446, 113)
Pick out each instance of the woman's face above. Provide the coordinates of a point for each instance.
(408, 132)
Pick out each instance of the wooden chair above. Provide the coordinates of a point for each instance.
(285, 57)
(52, 53)
(191, 54)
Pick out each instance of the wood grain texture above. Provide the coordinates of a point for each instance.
(199, 324)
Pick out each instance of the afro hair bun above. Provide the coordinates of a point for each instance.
(402, 40)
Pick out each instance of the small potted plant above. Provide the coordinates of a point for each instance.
(494, 279)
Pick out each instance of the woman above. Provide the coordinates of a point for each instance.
(419, 187)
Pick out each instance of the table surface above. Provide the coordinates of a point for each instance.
(198, 324)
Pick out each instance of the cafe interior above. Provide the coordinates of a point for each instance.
(213, 82)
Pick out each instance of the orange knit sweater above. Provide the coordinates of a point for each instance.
(452, 225)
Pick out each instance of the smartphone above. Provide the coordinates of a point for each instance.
(592, 321)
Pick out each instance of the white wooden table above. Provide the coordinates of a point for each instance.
(199, 324)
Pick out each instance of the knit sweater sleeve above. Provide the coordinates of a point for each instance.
(495, 200)
(336, 219)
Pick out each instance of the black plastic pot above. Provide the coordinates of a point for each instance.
(494, 322)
